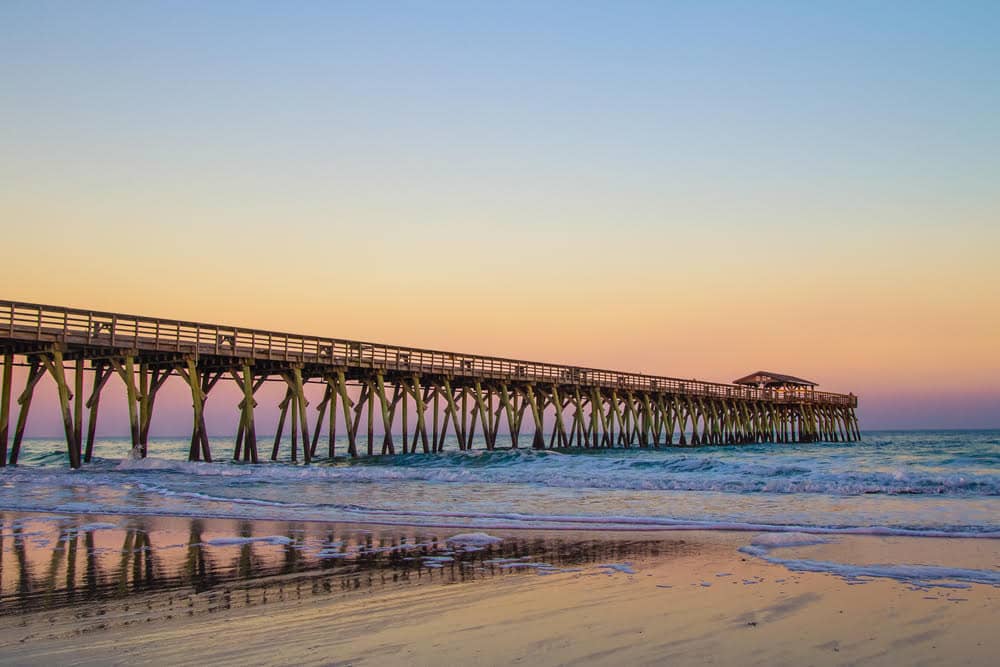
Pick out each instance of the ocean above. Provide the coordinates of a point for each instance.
(922, 483)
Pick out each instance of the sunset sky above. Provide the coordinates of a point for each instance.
(695, 189)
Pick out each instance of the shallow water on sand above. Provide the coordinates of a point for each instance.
(53, 562)
(906, 483)
(189, 566)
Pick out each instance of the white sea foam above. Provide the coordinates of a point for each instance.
(637, 470)
(790, 539)
(919, 575)
(922, 575)
(474, 539)
(228, 541)
(522, 565)
(618, 567)
(154, 464)
(97, 525)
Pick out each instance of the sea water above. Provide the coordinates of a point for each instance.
(935, 483)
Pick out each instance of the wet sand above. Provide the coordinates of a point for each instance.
(115, 590)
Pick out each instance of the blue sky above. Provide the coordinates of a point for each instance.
(697, 189)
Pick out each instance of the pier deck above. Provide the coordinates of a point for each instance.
(587, 407)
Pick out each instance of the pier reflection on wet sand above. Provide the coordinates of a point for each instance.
(72, 575)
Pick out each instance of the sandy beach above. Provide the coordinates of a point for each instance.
(116, 590)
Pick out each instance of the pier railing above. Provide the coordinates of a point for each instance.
(22, 322)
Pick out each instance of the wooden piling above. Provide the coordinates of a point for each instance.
(538, 442)
(370, 414)
(282, 415)
(102, 372)
(387, 444)
(300, 400)
(78, 409)
(54, 364)
(5, 388)
(346, 404)
(320, 416)
(249, 427)
(198, 403)
(331, 445)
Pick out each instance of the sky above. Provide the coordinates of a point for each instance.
(693, 189)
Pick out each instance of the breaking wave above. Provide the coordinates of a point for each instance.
(891, 483)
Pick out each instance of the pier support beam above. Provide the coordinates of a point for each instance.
(150, 382)
(201, 383)
(246, 433)
(54, 364)
(35, 373)
(388, 447)
(126, 370)
(303, 419)
(282, 416)
(320, 415)
(421, 402)
(538, 442)
(450, 410)
(5, 386)
(346, 404)
(102, 371)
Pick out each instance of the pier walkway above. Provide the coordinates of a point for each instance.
(425, 392)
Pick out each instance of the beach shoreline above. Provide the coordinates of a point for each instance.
(112, 589)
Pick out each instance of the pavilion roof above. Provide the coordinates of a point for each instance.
(769, 378)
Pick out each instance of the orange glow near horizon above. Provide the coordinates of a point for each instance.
(888, 326)
(675, 190)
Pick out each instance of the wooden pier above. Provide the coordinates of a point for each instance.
(417, 395)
